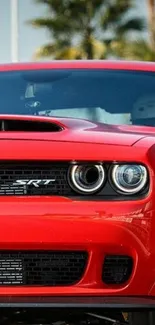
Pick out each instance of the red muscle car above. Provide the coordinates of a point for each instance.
(77, 189)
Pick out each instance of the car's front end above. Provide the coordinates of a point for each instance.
(77, 215)
(77, 209)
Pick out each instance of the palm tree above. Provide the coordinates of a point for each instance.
(140, 49)
(135, 50)
(84, 29)
(151, 22)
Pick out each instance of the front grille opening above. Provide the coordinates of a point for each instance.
(117, 269)
(34, 178)
(56, 268)
(29, 126)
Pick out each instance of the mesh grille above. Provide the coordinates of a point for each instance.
(41, 268)
(40, 179)
(117, 269)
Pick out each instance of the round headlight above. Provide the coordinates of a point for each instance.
(86, 179)
(129, 179)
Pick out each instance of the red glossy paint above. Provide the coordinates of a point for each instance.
(88, 64)
(124, 227)
(76, 131)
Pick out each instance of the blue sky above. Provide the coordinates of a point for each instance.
(29, 38)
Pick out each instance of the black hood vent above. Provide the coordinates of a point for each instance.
(19, 125)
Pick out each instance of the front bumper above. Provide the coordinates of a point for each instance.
(96, 227)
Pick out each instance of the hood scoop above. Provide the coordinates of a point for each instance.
(24, 127)
(27, 125)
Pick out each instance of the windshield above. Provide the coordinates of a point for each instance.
(106, 96)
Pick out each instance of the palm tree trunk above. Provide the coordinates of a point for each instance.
(88, 44)
(151, 22)
(88, 37)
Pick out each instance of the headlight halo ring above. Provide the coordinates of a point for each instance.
(82, 189)
(128, 191)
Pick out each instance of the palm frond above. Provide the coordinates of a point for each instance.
(73, 26)
(136, 50)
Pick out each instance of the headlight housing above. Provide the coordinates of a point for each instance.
(129, 178)
(86, 179)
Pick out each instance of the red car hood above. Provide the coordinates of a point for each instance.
(69, 130)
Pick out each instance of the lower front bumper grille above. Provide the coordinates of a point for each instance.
(117, 269)
(57, 268)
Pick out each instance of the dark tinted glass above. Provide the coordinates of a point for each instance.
(113, 97)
